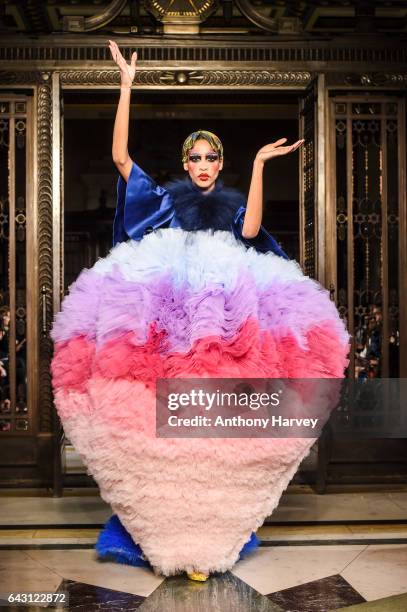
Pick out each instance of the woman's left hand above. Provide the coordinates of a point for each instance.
(275, 149)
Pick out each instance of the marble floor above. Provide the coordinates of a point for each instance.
(345, 550)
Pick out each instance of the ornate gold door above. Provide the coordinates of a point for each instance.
(366, 249)
(29, 240)
(366, 271)
(353, 219)
(19, 331)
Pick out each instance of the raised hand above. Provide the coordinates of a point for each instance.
(275, 149)
(127, 71)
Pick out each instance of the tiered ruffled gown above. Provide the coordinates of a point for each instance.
(171, 302)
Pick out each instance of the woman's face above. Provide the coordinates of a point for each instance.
(203, 165)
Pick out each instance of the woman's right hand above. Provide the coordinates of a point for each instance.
(127, 71)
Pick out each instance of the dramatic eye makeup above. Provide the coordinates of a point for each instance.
(210, 157)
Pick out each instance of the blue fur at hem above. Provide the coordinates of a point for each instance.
(115, 544)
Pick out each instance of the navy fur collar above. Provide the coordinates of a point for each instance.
(196, 210)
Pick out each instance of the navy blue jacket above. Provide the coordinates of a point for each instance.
(143, 206)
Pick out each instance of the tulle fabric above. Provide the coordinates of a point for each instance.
(187, 304)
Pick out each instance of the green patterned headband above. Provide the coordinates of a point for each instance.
(208, 136)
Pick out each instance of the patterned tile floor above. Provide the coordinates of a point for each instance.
(303, 580)
(332, 560)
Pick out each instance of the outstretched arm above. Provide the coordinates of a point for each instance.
(120, 153)
(254, 209)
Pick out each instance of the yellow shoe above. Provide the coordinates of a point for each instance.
(198, 576)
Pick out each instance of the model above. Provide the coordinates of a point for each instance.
(193, 287)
